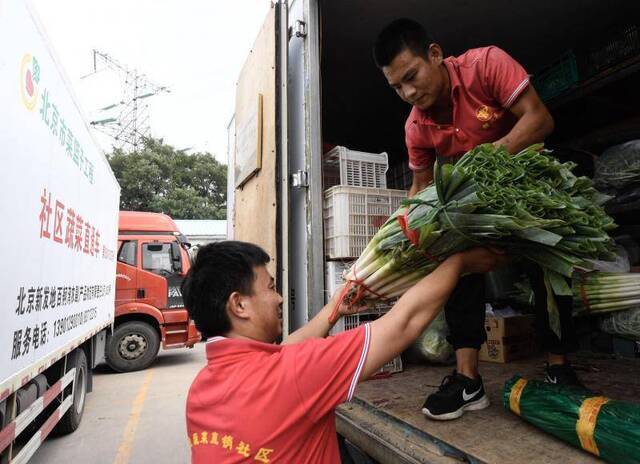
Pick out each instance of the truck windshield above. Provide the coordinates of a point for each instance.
(156, 257)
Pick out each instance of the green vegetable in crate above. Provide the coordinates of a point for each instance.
(529, 204)
(605, 292)
(602, 426)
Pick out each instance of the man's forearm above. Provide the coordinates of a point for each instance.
(415, 310)
(421, 180)
(420, 304)
(395, 331)
(531, 128)
(318, 327)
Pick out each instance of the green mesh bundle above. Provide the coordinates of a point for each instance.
(607, 428)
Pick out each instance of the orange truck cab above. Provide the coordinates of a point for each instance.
(152, 263)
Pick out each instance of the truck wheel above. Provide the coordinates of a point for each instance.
(132, 347)
(71, 420)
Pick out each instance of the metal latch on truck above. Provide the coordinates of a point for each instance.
(299, 29)
(300, 179)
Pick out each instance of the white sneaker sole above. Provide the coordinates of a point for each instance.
(476, 405)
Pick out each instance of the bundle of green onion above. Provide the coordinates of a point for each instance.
(605, 292)
(530, 204)
(605, 427)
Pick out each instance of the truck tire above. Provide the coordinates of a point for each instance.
(132, 346)
(71, 420)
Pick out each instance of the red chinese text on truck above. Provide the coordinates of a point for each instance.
(152, 263)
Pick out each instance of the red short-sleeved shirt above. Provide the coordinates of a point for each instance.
(258, 402)
(485, 82)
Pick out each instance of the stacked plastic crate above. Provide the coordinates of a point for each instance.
(356, 203)
(356, 200)
(400, 176)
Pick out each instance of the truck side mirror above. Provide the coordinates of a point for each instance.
(176, 257)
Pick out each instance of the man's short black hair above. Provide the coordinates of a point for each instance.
(399, 35)
(219, 270)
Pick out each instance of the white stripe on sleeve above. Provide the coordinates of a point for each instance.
(516, 92)
(363, 358)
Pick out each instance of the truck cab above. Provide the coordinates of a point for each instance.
(152, 262)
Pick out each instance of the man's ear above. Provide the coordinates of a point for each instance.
(435, 54)
(237, 306)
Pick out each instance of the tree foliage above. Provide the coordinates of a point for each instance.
(161, 179)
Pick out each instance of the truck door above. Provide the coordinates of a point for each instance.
(306, 266)
(260, 173)
(126, 271)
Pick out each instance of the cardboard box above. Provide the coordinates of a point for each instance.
(508, 338)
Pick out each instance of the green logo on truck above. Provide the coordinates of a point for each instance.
(29, 80)
(60, 130)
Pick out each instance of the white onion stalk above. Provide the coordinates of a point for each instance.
(602, 292)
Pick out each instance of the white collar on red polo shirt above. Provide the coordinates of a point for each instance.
(215, 347)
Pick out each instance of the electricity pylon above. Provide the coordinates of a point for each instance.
(126, 120)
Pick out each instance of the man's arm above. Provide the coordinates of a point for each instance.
(319, 326)
(534, 122)
(421, 180)
(411, 315)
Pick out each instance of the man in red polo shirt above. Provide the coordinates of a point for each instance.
(255, 401)
(481, 96)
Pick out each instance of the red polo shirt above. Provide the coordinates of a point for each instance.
(484, 84)
(259, 402)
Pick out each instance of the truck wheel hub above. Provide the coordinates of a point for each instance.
(132, 346)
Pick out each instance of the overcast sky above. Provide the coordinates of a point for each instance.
(195, 47)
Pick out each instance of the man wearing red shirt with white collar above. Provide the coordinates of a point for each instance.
(481, 96)
(259, 402)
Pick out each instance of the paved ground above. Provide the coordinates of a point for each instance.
(135, 418)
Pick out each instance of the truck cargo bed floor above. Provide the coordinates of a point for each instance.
(385, 417)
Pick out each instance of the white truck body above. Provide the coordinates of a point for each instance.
(59, 204)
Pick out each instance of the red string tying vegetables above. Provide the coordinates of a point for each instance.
(583, 293)
(362, 288)
(413, 235)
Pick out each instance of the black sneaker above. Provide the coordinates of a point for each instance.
(457, 394)
(563, 374)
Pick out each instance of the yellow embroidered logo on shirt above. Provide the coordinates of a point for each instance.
(484, 114)
(243, 448)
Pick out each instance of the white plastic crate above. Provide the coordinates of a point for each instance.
(392, 367)
(342, 166)
(352, 215)
(333, 274)
(356, 320)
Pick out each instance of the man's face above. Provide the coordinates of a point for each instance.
(265, 305)
(418, 81)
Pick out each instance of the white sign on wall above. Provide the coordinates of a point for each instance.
(248, 149)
